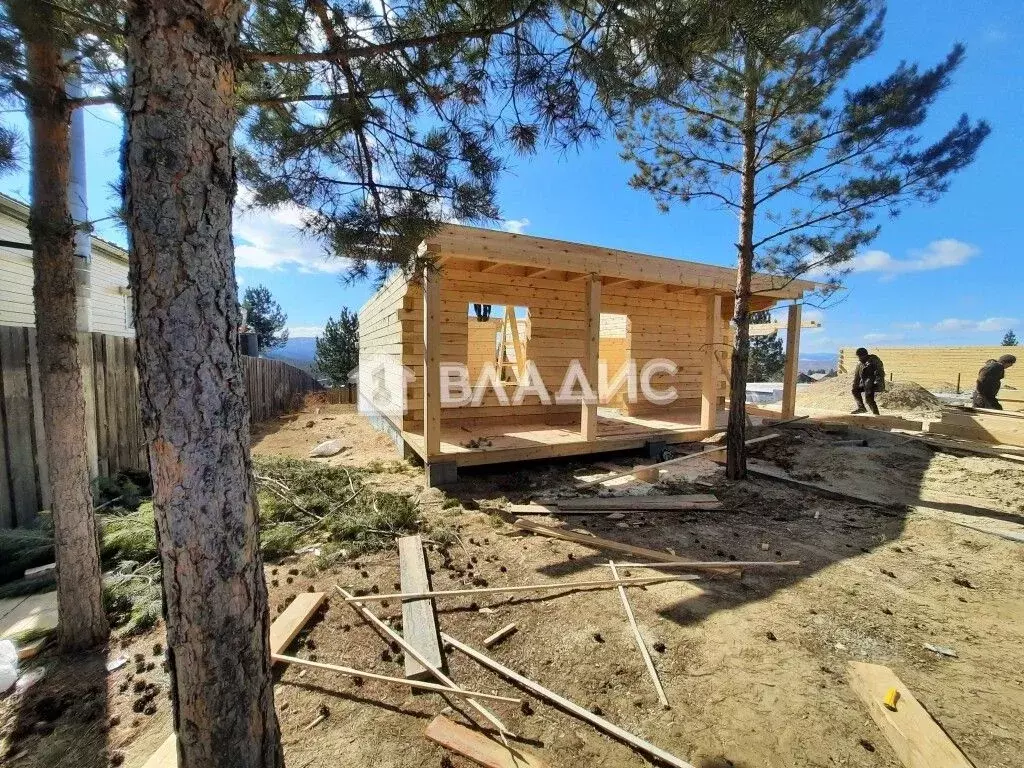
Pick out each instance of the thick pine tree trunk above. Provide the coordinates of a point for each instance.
(83, 622)
(181, 188)
(736, 432)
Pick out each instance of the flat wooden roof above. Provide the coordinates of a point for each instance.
(455, 241)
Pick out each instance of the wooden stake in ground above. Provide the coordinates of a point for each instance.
(568, 706)
(370, 617)
(680, 459)
(477, 747)
(415, 684)
(644, 653)
(917, 739)
(637, 581)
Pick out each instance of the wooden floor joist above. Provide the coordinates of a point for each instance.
(474, 746)
(569, 706)
(915, 737)
(419, 622)
(283, 630)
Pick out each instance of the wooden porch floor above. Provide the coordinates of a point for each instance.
(477, 445)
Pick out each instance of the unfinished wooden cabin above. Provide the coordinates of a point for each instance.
(552, 303)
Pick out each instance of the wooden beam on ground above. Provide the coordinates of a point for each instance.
(709, 370)
(591, 353)
(419, 622)
(966, 447)
(773, 473)
(414, 684)
(640, 644)
(568, 706)
(474, 746)
(432, 362)
(371, 618)
(792, 361)
(915, 737)
(283, 630)
(679, 501)
(664, 559)
(554, 585)
(678, 460)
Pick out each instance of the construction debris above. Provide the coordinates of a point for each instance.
(477, 747)
(501, 634)
(644, 653)
(419, 621)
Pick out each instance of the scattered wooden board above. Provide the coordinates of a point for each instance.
(568, 706)
(917, 739)
(636, 581)
(640, 644)
(501, 634)
(419, 622)
(645, 503)
(282, 631)
(1009, 453)
(681, 459)
(477, 747)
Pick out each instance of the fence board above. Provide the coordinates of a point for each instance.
(18, 426)
(114, 420)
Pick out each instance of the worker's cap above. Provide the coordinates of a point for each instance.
(1008, 359)
(861, 352)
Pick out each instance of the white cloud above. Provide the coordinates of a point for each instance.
(988, 325)
(938, 254)
(515, 226)
(305, 331)
(880, 337)
(917, 325)
(272, 239)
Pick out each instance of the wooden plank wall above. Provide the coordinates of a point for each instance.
(394, 312)
(936, 368)
(115, 439)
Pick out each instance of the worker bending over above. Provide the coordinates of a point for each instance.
(868, 378)
(990, 378)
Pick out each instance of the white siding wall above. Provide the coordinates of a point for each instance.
(102, 306)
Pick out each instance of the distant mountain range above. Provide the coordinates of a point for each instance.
(299, 351)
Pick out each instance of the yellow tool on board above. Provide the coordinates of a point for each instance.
(891, 697)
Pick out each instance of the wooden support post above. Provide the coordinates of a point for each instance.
(792, 361)
(591, 351)
(431, 362)
(710, 372)
(418, 618)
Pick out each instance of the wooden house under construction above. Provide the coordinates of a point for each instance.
(513, 309)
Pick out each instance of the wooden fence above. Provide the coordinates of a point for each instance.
(115, 439)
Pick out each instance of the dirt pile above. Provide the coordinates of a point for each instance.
(834, 395)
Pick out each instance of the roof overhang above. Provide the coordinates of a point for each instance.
(493, 247)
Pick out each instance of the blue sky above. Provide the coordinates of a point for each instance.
(942, 274)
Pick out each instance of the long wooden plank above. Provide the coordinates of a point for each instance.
(915, 737)
(595, 541)
(419, 622)
(709, 369)
(640, 644)
(282, 631)
(477, 747)
(551, 510)
(638, 581)
(568, 706)
(682, 501)
(792, 366)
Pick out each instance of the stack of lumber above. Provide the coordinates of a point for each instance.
(988, 426)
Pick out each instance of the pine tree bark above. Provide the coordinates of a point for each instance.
(736, 431)
(180, 192)
(83, 622)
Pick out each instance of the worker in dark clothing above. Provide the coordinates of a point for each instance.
(990, 378)
(868, 378)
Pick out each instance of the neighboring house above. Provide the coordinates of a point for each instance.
(104, 300)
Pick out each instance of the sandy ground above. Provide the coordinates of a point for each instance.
(754, 667)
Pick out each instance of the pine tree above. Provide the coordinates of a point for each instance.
(767, 353)
(1010, 339)
(42, 45)
(337, 350)
(265, 317)
(379, 120)
(765, 128)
